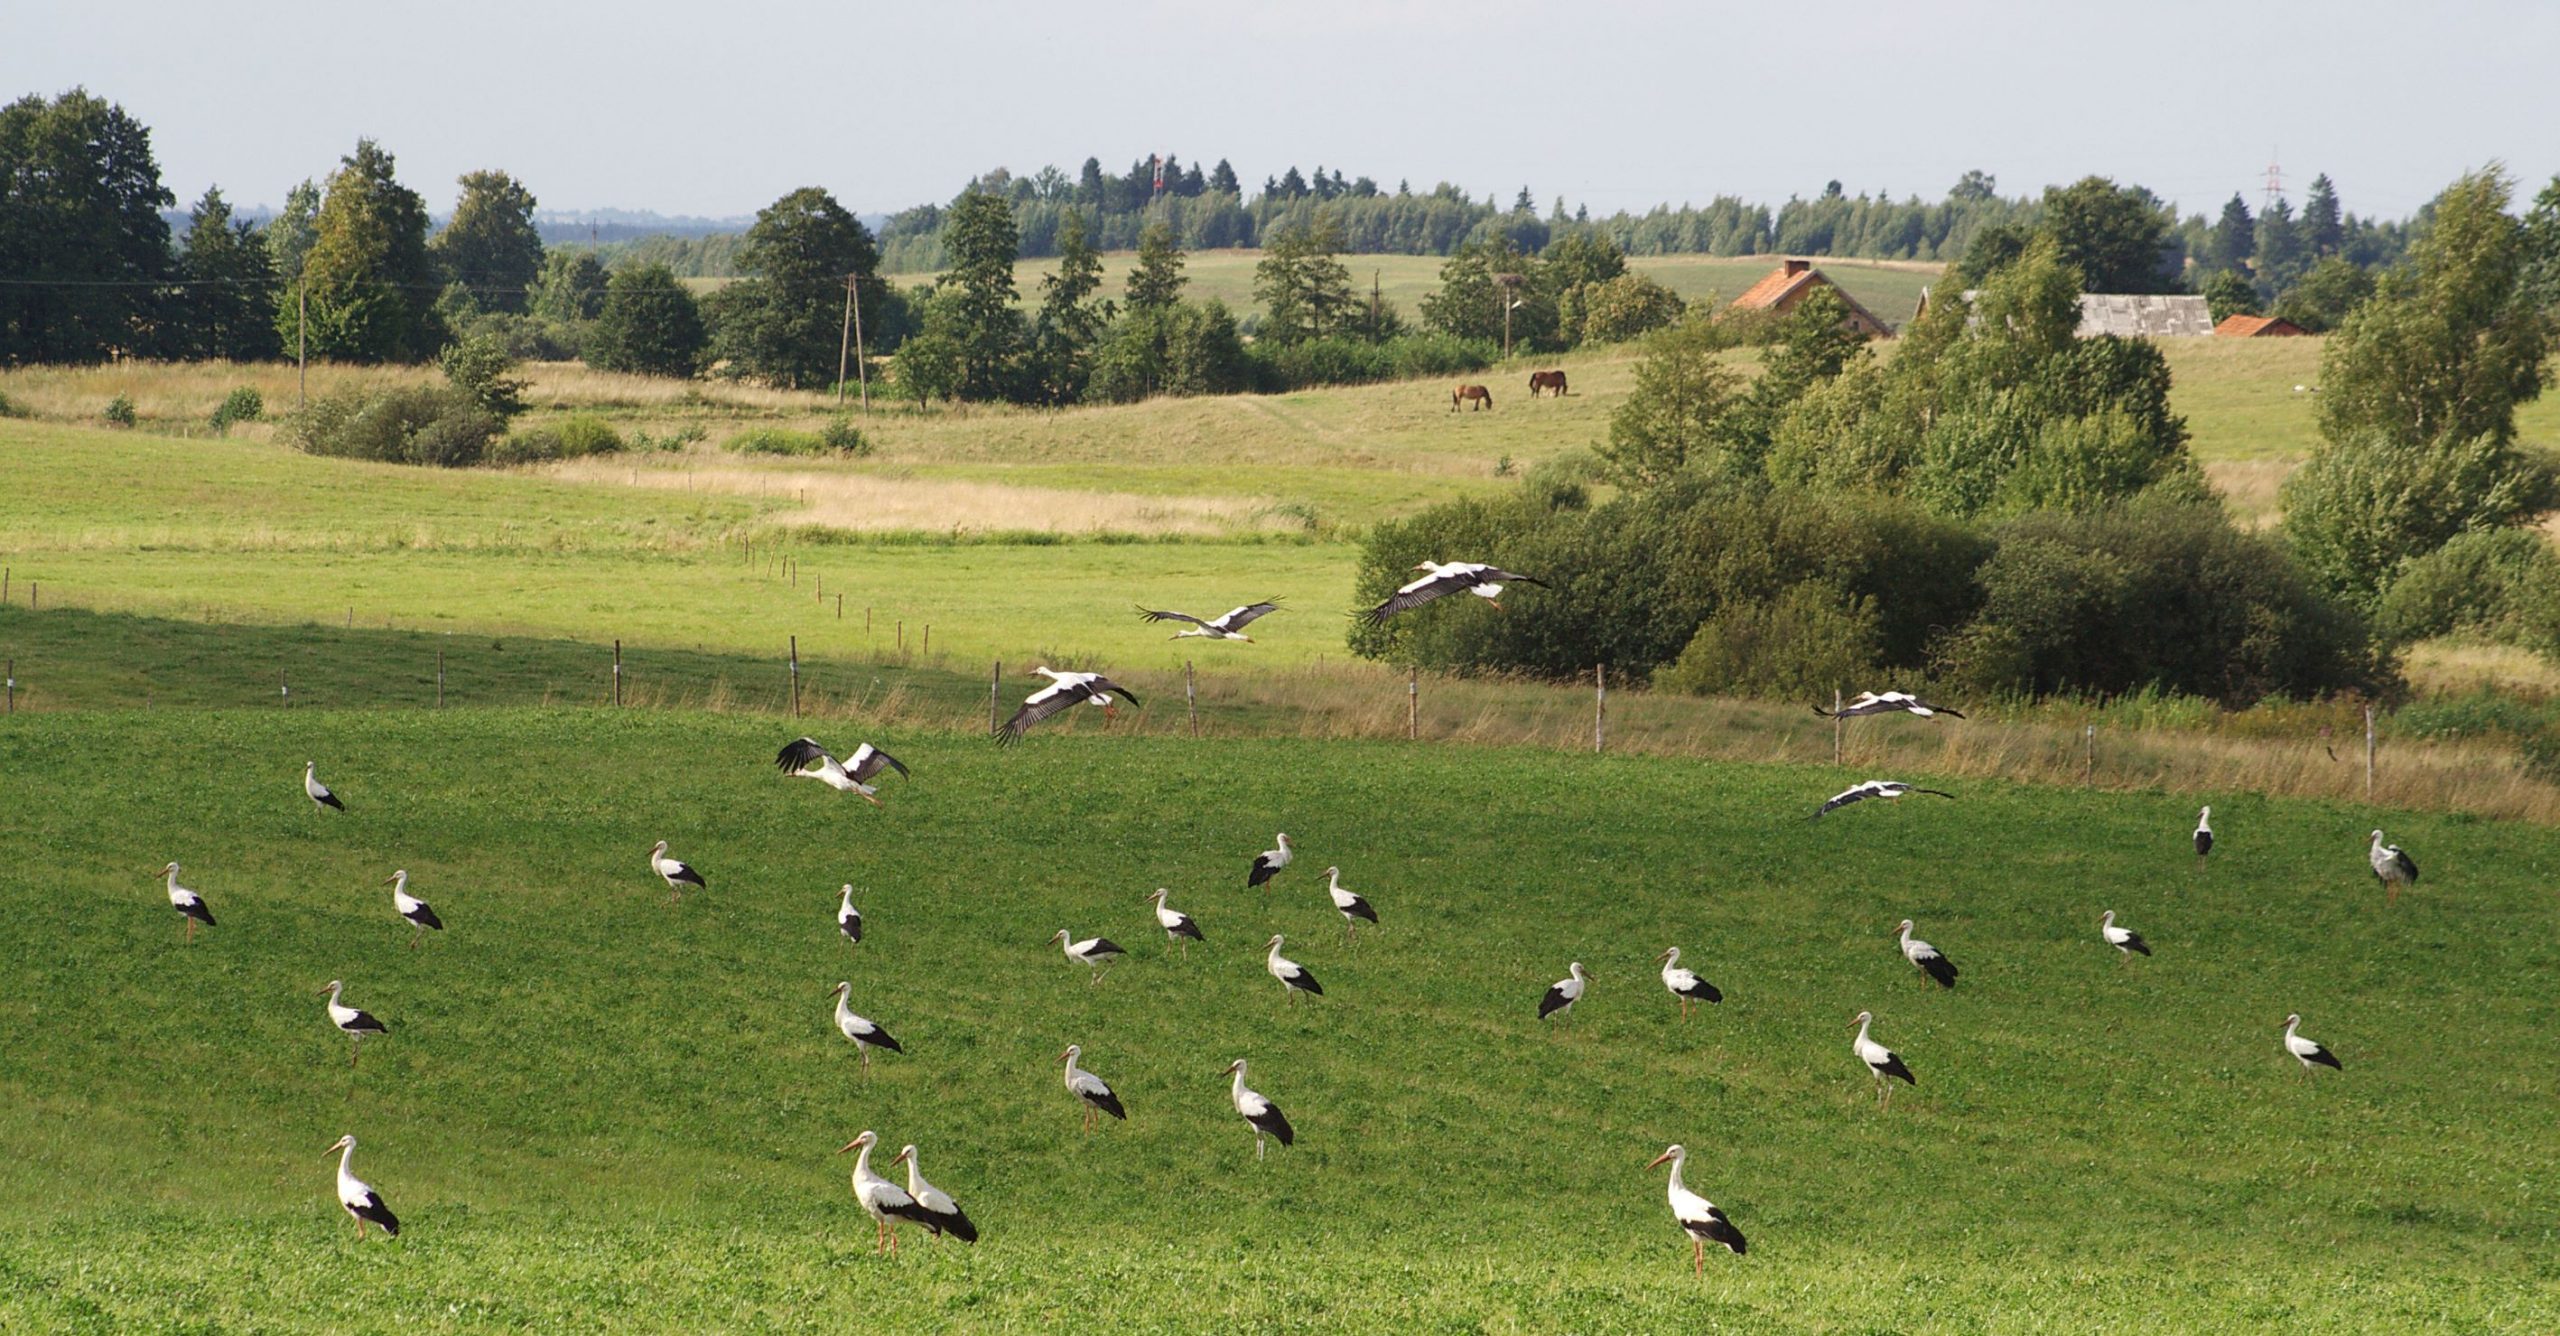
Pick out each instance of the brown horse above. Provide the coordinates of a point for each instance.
(1546, 380)
(1478, 395)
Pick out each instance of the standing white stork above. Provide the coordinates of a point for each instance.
(848, 918)
(421, 917)
(1685, 984)
(1882, 1062)
(1178, 926)
(1445, 578)
(885, 1201)
(1888, 702)
(1260, 1113)
(1064, 690)
(357, 1197)
(186, 902)
(941, 1214)
(1268, 863)
(2126, 941)
(2309, 1052)
(1228, 625)
(1348, 904)
(1293, 977)
(1090, 1090)
(1873, 788)
(677, 873)
(2204, 836)
(2394, 866)
(1926, 958)
(1091, 952)
(355, 1024)
(805, 759)
(1702, 1220)
(865, 1033)
(1564, 992)
(316, 791)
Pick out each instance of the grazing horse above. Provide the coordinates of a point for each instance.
(1479, 395)
(1546, 380)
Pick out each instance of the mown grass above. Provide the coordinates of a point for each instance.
(600, 1110)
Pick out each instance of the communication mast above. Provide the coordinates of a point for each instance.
(2275, 183)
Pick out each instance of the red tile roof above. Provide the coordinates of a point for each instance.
(1781, 283)
(2256, 326)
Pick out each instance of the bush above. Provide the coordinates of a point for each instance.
(841, 436)
(119, 412)
(1626, 307)
(9, 408)
(572, 437)
(241, 405)
(781, 441)
(2491, 584)
(650, 325)
(1811, 640)
(1188, 348)
(480, 367)
(435, 425)
(2357, 509)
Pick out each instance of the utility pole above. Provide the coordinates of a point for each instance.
(844, 339)
(850, 340)
(301, 341)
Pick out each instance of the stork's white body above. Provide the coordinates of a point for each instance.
(942, 1215)
(187, 902)
(2394, 866)
(420, 916)
(1091, 952)
(1259, 1113)
(1698, 1218)
(1269, 863)
(865, 1033)
(357, 1197)
(675, 872)
(357, 1025)
(1926, 958)
(848, 918)
(1178, 926)
(1882, 1063)
(2204, 836)
(1293, 977)
(1564, 992)
(1091, 1091)
(885, 1202)
(2309, 1052)
(806, 759)
(1348, 904)
(316, 791)
(2126, 941)
(1685, 984)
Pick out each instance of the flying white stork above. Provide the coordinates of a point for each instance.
(885, 1201)
(805, 759)
(848, 918)
(186, 902)
(1564, 992)
(1260, 1113)
(2126, 941)
(865, 1033)
(421, 917)
(316, 791)
(1702, 1220)
(1888, 702)
(1882, 1062)
(1091, 952)
(1349, 904)
(2309, 1052)
(1445, 578)
(1228, 625)
(1294, 977)
(2394, 866)
(1178, 926)
(941, 1214)
(355, 1024)
(2204, 836)
(1926, 958)
(1064, 689)
(357, 1197)
(1268, 863)
(1685, 984)
(1090, 1090)
(1873, 788)
(677, 873)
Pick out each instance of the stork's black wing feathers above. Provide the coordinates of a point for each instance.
(1263, 870)
(880, 1038)
(1405, 599)
(1703, 991)
(1155, 615)
(1251, 613)
(2326, 1058)
(364, 1023)
(328, 799)
(1553, 1002)
(1104, 946)
(1187, 928)
(425, 917)
(1305, 981)
(1360, 909)
(957, 1225)
(871, 762)
(1272, 1121)
(1843, 799)
(1109, 1102)
(196, 910)
(2407, 864)
(371, 1208)
(2133, 942)
(1939, 968)
(2204, 843)
(1893, 1066)
(797, 754)
(686, 874)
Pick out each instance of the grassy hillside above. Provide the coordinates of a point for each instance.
(598, 1109)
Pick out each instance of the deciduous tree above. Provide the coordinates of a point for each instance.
(1156, 280)
(784, 322)
(80, 231)
(225, 308)
(491, 246)
(371, 284)
(649, 324)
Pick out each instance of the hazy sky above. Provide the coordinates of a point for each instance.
(718, 108)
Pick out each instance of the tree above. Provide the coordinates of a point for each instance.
(1185, 348)
(2322, 299)
(1090, 184)
(1584, 256)
(2281, 256)
(481, 370)
(784, 321)
(2234, 240)
(649, 325)
(1474, 291)
(2540, 280)
(369, 281)
(975, 298)
(80, 229)
(290, 233)
(1626, 307)
(2323, 226)
(1814, 343)
(1222, 180)
(1992, 248)
(226, 304)
(1156, 280)
(1975, 186)
(1669, 423)
(1304, 289)
(1065, 330)
(491, 246)
(1292, 185)
(2227, 294)
(570, 288)
(2117, 237)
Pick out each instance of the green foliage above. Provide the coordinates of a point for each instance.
(784, 323)
(837, 438)
(434, 425)
(119, 411)
(2117, 239)
(80, 231)
(490, 245)
(2227, 294)
(2282, 255)
(369, 280)
(1156, 279)
(649, 325)
(1808, 642)
(482, 370)
(2500, 585)
(1304, 289)
(1186, 348)
(1814, 344)
(2356, 510)
(574, 437)
(973, 307)
(1992, 249)
(243, 404)
(1069, 321)
(928, 367)
(570, 287)
(1479, 281)
(1669, 422)
(1617, 310)
(288, 235)
(1348, 360)
(2232, 244)
(2321, 301)
(225, 311)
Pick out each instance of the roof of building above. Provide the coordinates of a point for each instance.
(2135, 316)
(1789, 280)
(2256, 327)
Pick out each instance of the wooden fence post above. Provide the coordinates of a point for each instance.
(2088, 755)
(839, 607)
(1836, 725)
(1190, 697)
(1599, 706)
(4, 584)
(928, 640)
(902, 635)
(795, 677)
(995, 688)
(284, 689)
(31, 595)
(1413, 704)
(617, 674)
(439, 677)
(2368, 753)
(13, 686)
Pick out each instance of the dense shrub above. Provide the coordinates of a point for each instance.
(9, 408)
(650, 325)
(2359, 508)
(573, 437)
(1616, 310)
(841, 436)
(1807, 643)
(1188, 348)
(119, 411)
(481, 369)
(436, 425)
(2490, 584)
(244, 404)
(1345, 360)
(838, 437)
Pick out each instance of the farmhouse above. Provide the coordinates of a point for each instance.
(2127, 315)
(2257, 327)
(1789, 283)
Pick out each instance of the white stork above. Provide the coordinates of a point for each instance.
(1685, 984)
(1888, 702)
(865, 1033)
(1445, 578)
(941, 1214)
(805, 759)
(1260, 1113)
(1090, 1090)
(2204, 836)
(1926, 958)
(2394, 866)
(1178, 926)
(885, 1201)
(1268, 863)
(1564, 992)
(420, 915)
(1091, 952)
(2309, 1052)
(1293, 977)
(186, 902)
(356, 1025)
(677, 873)
(1348, 904)
(1228, 625)
(1882, 1062)
(316, 791)
(848, 918)
(1702, 1220)
(1873, 788)
(2126, 941)
(1064, 689)
(357, 1197)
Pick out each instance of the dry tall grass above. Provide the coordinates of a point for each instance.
(885, 501)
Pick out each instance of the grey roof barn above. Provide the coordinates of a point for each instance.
(2126, 315)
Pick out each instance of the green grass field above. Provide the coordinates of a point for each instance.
(601, 1110)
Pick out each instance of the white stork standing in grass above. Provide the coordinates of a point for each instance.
(1445, 578)
(1873, 788)
(2309, 1052)
(1294, 977)
(2394, 865)
(1349, 904)
(420, 915)
(865, 1033)
(1564, 992)
(1178, 926)
(186, 902)
(1090, 1090)
(1064, 690)
(1268, 863)
(1684, 984)
(316, 791)
(1228, 625)
(357, 1197)
(805, 759)
(1260, 1113)
(1702, 1220)
(1091, 952)
(1926, 958)
(2126, 941)
(1882, 1063)
(677, 873)
(884, 1201)
(357, 1025)
(941, 1214)
(848, 918)
(1888, 702)
(2204, 836)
